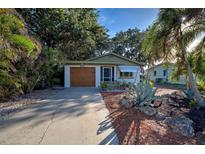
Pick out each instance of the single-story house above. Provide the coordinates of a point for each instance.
(162, 73)
(105, 68)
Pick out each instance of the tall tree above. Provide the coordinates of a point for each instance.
(66, 34)
(171, 34)
(75, 32)
(46, 24)
(128, 43)
(84, 36)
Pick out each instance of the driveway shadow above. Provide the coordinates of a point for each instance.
(111, 139)
(71, 102)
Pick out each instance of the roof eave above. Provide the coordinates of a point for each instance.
(119, 56)
(93, 63)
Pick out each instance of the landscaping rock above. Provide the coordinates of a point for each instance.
(150, 111)
(156, 103)
(200, 137)
(181, 125)
(160, 116)
(146, 103)
(173, 103)
(198, 117)
(165, 108)
(114, 106)
(125, 102)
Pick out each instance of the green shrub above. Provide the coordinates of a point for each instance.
(23, 41)
(18, 52)
(192, 103)
(159, 80)
(151, 83)
(201, 86)
(56, 81)
(103, 85)
(10, 23)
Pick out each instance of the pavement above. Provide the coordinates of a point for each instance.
(72, 116)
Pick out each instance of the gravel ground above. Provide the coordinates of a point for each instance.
(134, 127)
(20, 102)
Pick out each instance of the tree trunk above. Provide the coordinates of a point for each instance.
(192, 83)
(147, 77)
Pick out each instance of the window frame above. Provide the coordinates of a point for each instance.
(104, 74)
(130, 75)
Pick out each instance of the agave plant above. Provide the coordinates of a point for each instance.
(141, 93)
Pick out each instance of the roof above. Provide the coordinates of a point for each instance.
(115, 55)
(91, 62)
(108, 59)
(158, 65)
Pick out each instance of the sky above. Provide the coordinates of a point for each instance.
(116, 20)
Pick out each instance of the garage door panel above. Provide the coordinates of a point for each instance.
(83, 76)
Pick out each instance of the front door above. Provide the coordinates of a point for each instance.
(107, 74)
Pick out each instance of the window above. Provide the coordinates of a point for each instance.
(164, 72)
(107, 73)
(155, 73)
(126, 75)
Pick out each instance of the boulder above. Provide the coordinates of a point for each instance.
(114, 106)
(146, 103)
(127, 103)
(165, 108)
(150, 111)
(156, 103)
(160, 116)
(173, 103)
(200, 136)
(181, 125)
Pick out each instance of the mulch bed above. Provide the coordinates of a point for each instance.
(134, 127)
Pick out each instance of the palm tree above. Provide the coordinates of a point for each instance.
(170, 36)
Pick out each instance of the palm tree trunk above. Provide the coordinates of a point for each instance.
(147, 77)
(192, 83)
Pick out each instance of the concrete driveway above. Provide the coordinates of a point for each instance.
(72, 116)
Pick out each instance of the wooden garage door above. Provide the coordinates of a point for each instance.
(82, 76)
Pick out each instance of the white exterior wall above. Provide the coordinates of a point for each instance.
(67, 76)
(135, 77)
(160, 74)
(97, 76)
(115, 73)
